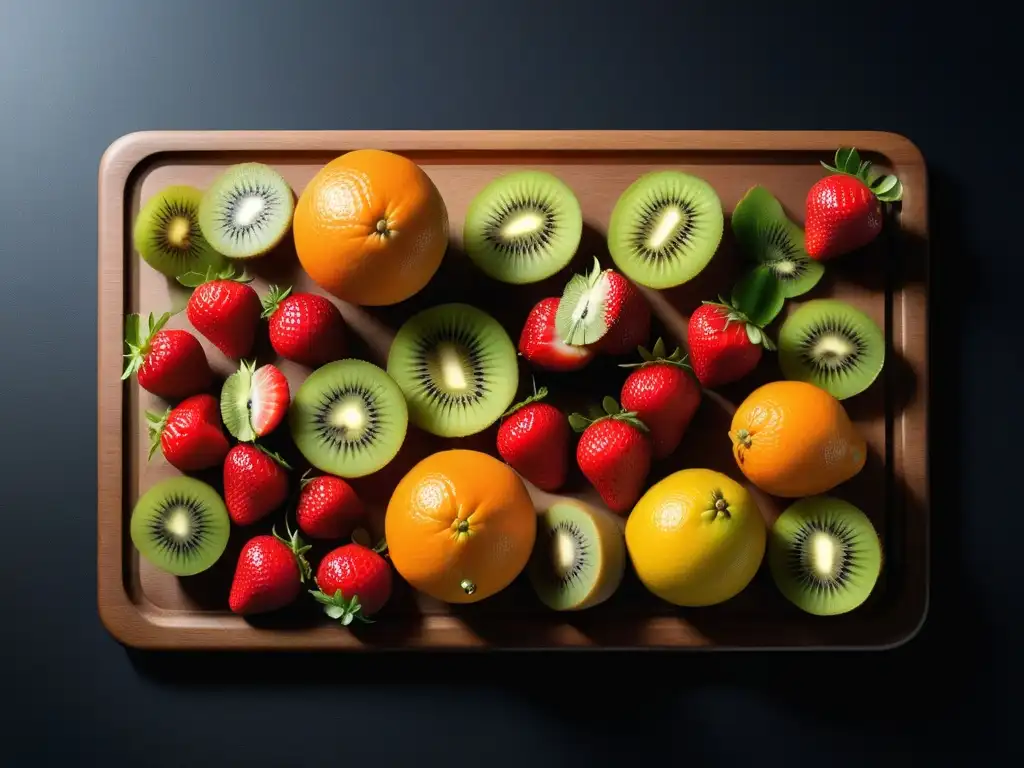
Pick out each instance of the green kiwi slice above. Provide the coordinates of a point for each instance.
(833, 345)
(457, 367)
(167, 234)
(665, 228)
(579, 557)
(824, 555)
(348, 418)
(181, 526)
(247, 210)
(523, 227)
(768, 237)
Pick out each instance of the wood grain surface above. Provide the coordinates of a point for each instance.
(145, 608)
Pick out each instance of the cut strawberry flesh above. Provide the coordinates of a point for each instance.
(268, 399)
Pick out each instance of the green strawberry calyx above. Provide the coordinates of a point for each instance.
(298, 547)
(275, 456)
(227, 272)
(137, 339)
(657, 355)
(612, 410)
(273, 299)
(155, 422)
(343, 609)
(536, 397)
(755, 334)
(885, 187)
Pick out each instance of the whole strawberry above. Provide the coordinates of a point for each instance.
(190, 434)
(270, 573)
(354, 583)
(169, 363)
(304, 327)
(541, 345)
(328, 508)
(533, 439)
(605, 310)
(844, 209)
(724, 345)
(255, 483)
(614, 454)
(224, 309)
(664, 395)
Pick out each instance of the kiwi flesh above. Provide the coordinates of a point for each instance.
(181, 526)
(167, 234)
(457, 367)
(833, 345)
(348, 418)
(767, 236)
(824, 555)
(579, 557)
(523, 227)
(665, 228)
(247, 210)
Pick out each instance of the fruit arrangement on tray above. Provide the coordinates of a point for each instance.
(371, 229)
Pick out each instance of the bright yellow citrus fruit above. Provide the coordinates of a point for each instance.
(696, 538)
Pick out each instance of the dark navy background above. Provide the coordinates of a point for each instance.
(75, 75)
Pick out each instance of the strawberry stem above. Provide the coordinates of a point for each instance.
(137, 342)
(275, 456)
(298, 547)
(273, 299)
(537, 396)
(156, 423)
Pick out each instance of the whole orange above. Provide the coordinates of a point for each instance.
(371, 228)
(792, 439)
(460, 526)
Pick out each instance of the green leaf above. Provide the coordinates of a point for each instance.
(610, 406)
(578, 422)
(192, 279)
(336, 612)
(888, 189)
(848, 160)
(131, 331)
(659, 349)
(759, 296)
(754, 334)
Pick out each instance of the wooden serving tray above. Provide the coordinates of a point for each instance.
(145, 608)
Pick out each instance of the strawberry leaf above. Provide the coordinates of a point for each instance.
(341, 609)
(155, 423)
(273, 299)
(537, 396)
(754, 334)
(659, 348)
(611, 407)
(579, 422)
(298, 547)
(759, 296)
(888, 189)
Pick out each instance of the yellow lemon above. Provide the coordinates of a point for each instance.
(696, 538)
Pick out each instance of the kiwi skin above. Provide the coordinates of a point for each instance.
(167, 234)
(839, 539)
(531, 256)
(836, 327)
(598, 539)
(689, 243)
(181, 500)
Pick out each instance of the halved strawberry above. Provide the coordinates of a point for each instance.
(254, 401)
(603, 310)
(540, 343)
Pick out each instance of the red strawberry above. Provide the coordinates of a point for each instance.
(255, 483)
(605, 310)
(254, 401)
(533, 439)
(354, 583)
(269, 574)
(304, 327)
(724, 345)
(663, 395)
(844, 209)
(224, 309)
(541, 345)
(614, 454)
(190, 434)
(328, 508)
(170, 363)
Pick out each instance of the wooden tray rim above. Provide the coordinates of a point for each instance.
(130, 626)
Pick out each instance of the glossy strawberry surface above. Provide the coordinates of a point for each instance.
(534, 441)
(190, 435)
(304, 327)
(174, 366)
(665, 397)
(270, 398)
(721, 351)
(628, 316)
(227, 313)
(255, 484)
(843, 214)
(355, 580)
(328, 508)
(541, 345)
(269, 574)
(615, 457)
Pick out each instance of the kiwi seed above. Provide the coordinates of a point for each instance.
(457, 367)
(824, 555)
(833, 345)
(247, 210)
(665, 228)
(167, 234)
(181, 526)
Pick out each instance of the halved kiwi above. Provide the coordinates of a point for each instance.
(579, 557)
(523, 227)
(247, 210)
(824, 555)
(167, 234)
(348, 418)
(767, 236)
(665, 228)
(181, 526)
(457, 367)
(833, 345)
